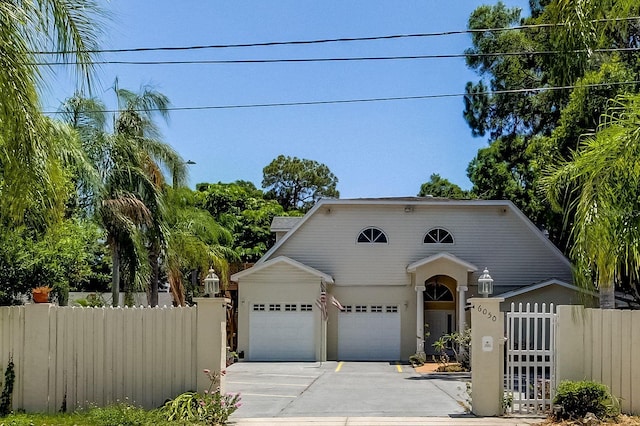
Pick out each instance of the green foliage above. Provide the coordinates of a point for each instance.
(195, 243)
(34, 150)
(211, 407)
(598, 188)
(113, 415)
(92, 301)
(122, 414)
(457, 342)
(417, 360)
(579, 398)
(128, 199)
(440, 187)
(67, 256)
(7, 390)
(242, 208)
(298, 183)
(528, 129)
(64, 257)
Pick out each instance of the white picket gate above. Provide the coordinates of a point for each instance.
(530, 358)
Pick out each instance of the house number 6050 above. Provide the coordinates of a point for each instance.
(486, 312)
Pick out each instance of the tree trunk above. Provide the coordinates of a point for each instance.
(607, 297)
(115, 277)
(155, 275)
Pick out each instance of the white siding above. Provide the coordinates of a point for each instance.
(491, 236)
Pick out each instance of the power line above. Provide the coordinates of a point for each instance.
(363, 100)
(329, 40)
(344, 59)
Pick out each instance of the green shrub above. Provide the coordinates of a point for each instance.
(417, 360)
(576, 399)
(211, 408)
(7, 390)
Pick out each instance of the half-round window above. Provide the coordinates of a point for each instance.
(436, 292)
(372, 235)
(438, 236)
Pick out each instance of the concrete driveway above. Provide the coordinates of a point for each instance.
(353, 389)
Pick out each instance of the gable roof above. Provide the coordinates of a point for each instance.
(408, 202)
(544, 284)
(282, 259)
(284, 223)
(442, 255)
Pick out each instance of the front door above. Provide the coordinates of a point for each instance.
(440, 322)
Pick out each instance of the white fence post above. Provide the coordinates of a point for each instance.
(487, 356)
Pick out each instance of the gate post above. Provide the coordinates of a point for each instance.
(487, 356)
(211, 344)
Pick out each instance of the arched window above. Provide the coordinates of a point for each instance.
(372, 235)
(436, 292)
(438, 236)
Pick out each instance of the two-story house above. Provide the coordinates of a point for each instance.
(397, 267)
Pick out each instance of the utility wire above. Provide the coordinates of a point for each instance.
(345, 59)
(363, 100)
(329, 40)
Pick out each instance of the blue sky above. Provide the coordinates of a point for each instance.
(375, 149)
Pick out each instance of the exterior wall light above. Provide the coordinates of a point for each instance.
(211, 284)
(485, 283)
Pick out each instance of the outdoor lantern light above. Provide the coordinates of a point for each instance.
(212, 284)
(485, 283)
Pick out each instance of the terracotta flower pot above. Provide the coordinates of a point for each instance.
(41, 294)
(40, 297)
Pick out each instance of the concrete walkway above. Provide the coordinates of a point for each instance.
(389, 421)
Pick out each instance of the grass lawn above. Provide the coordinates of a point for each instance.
(118, 414)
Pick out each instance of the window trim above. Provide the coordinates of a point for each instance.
(440, 240)
(437, 284)
(382, 233)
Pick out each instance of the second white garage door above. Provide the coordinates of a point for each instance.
(281, 332)
(369, 333)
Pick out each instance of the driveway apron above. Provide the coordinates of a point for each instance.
(353, 389)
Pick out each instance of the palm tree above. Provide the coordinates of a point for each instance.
(196, 242)
(601, 186)
(30, 165)
(135, 124)
(129, 202)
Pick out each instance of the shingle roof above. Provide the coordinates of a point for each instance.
(284, 223)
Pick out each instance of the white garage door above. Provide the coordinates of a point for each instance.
(281, 332)
(369, 333)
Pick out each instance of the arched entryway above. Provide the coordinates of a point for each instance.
(439, 309)
(452, 272)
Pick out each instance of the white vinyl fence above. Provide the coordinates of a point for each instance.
(67, 357)
(530, 356)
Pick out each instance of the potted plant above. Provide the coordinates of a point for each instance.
(41, 294)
